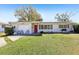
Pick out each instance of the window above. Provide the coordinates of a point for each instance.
(40, 26)
(48, 26)
(51, 27)
(60, 26)
(66, 26)
(63, 26)
(45, 26)
(3, 26)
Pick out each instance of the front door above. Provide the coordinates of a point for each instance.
(35, 28)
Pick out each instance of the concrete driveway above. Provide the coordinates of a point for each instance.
(2, 42)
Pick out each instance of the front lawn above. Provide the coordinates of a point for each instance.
(47, 44)
(2, 34)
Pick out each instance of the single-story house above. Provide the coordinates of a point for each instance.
(38, 26)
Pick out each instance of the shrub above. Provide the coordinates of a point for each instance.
(41, 32)
(9, 30)
(76, 28)
(63, 30)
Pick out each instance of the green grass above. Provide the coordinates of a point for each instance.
(2, 34)
(47, 44)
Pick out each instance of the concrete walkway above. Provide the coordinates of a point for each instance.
(2, 42)
(14, 38)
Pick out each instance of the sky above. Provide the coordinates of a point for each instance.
(47, 11)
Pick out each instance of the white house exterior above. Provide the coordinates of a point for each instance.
(37, 27)
(1, 27)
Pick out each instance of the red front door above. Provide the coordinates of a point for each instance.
(35, 28)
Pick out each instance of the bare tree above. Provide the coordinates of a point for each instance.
(64, 17)
(28, 14)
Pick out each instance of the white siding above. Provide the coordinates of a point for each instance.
(23, 29)
(26, 28)
(1, 28)
(55, 29)
(45, 30)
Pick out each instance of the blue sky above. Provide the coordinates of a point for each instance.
(48, 11)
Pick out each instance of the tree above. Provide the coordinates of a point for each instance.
(76, 28)
(28, 14)
(64, 17)
(9, 30)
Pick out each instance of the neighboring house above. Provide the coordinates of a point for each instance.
(1, 27)
(37, 27)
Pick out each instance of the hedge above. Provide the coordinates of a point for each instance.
(9, 30)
